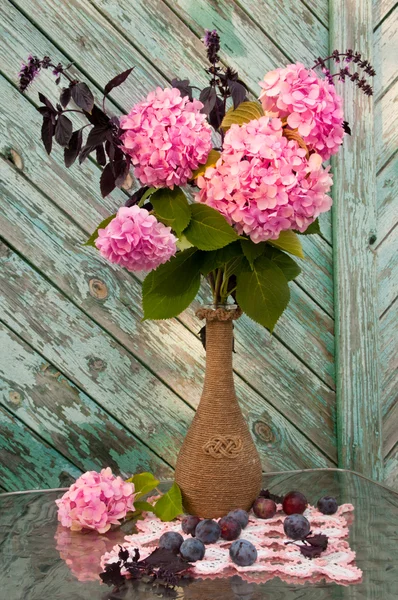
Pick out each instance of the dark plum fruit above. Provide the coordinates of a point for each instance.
(208, 531)
(243, 553)
(264, 508)
(239, 515)
(296, 527)
(230, 528)
(192, 549)
(171, 540)
(189, 523)
(327, 505)
(294, 503)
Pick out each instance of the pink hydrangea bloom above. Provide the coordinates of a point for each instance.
(95, 501)
(167, 138)
(310, 104)
(263, 183)
(136, 240)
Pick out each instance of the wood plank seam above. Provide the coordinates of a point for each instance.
(39, 437)
(359, 427)
(78, 387)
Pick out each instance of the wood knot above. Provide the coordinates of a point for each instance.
(223, 446)
(264, 432)
(96, 364)
(16, 159)
(98, 289)
(15, 397)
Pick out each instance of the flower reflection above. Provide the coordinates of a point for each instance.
(82, 551)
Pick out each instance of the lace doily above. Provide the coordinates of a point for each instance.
(336, 563)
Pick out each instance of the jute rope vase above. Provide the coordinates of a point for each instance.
(218, 468)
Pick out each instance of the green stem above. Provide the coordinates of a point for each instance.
(219, 279)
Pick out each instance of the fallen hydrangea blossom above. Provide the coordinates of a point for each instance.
(136, 240)
(167, 138)
(96, 501)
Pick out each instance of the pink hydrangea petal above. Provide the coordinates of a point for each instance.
(100, 500)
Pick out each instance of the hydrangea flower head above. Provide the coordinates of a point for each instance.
(264, 183)
(136, 240)
(310, 104)
(95, 501)
(167, 138)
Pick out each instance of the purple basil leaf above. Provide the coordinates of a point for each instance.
(97, 135)
(65, 97)
(63, 130)
(121, 169)
(47, 102)
(117, 80)
(47, 132)
(167, 559)
(346, 127)
(100, 155)
(83, 96)
(43, 110)
(110, 150)
(217, 114)
(136, 197)
(208, 97)
(74, 147)
(58, 80)
(319, 540)
(184, 87)
(238, 92)
(311, 551)
(97, 116)
(85, 152)
(107, 181)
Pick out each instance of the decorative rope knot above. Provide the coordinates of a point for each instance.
(223, 446)
(219, 314)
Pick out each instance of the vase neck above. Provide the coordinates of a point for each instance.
(219, 375)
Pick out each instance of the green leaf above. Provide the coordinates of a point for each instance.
(311, 229)
(289, 242)
(146, 195)
(169, 506)
(172, 208)
(287, 265)
(183, 244)
(143, 484)
(141, 505)
(94, 235)
(263, 293)
(212, 158)
(217, 258)
(168, 290)
(208, 229)
(252, 250)
(246, 112)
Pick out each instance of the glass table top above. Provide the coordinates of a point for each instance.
(41, 560)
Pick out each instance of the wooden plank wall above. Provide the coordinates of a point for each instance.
(386, 243)
(83, 382)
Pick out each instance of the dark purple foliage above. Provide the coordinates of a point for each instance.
(116, 81)
(71, 152)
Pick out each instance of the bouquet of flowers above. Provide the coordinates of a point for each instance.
(227, 182)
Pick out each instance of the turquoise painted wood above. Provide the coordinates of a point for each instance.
(85, 383)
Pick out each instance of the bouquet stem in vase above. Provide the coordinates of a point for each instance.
(218, 468)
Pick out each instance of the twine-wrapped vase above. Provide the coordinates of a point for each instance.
(218, 468)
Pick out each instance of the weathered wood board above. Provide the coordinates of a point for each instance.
(84, 382)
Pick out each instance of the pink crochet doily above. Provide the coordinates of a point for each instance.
(336, 563)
